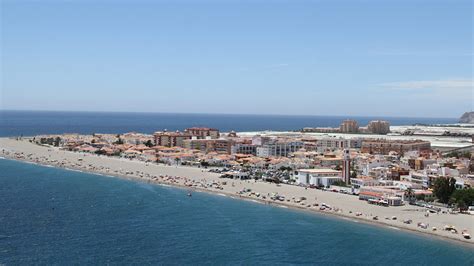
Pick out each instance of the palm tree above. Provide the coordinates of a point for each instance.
(409, 193)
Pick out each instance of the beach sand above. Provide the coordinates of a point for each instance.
(192, 178)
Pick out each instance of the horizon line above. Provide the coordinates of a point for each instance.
(236, 114)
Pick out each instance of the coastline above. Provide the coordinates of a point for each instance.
(195, 179)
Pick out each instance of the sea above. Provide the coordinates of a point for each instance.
(58, 216)
(30, 123)
(51, 216)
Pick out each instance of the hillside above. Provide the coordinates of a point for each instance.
(467, 118)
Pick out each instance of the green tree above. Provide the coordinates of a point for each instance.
(285, 168)
(463, 198)
(420, 197)
(353, 174)
(443, 188)
(458, 154)
(409, 193)
(57, 140)
(148, 143)
(100, 152)
(340, 183)
(429, 198)
(119, 141)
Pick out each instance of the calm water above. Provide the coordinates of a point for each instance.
(28, 123)
(55, 216)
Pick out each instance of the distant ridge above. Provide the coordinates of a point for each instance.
(467, 118)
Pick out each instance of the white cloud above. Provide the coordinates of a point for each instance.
(438, 85)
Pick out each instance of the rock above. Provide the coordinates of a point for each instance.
(467, 118)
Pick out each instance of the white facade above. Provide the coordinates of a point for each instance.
(263, 152)
(317, 177)
(237, 174)
(359, 182)
(279, 149)
(244, 149)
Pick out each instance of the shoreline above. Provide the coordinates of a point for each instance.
(335, 215)
(177, 182)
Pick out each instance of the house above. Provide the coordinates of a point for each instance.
(317, 177)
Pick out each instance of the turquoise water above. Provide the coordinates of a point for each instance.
(55, 216)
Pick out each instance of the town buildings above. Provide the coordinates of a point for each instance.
(318, 177)
(244, 148)
(346, 166)
(336, 143)
(203, 132)
(385, 146)
(279, 148)
(382, 170)
(379, 127)
(171, 139)
(209, 145)
(349, 126)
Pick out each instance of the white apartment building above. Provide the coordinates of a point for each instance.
(279, 148)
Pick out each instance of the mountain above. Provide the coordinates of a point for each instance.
(467, 118)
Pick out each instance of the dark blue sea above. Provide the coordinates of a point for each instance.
(55, 216)
(29, 123)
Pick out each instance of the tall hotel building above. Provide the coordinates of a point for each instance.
(379, 127)
(349, 126)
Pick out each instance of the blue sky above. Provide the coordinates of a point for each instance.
(395, 58)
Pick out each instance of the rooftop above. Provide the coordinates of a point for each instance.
(319, 171)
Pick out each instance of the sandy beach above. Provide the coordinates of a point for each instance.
(347, 206)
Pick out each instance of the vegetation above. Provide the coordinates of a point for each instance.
(409, 193)
(57, 140)
(458, 155)
(353, 171)
(339, 183)
(100, 152)
(148, 143)
(430, 198)
(119, 141)
(285, 168)
(463, 198)
(443, 188)
(353, 174)
(423, 197)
